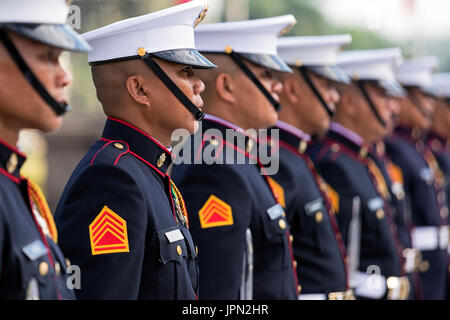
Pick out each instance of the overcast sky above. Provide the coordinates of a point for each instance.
(395, 19)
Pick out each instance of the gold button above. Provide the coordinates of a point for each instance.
(179, 251)
(282, 224)
(228, 49)
(424, 266)
(335, 147)
(141, 52)
(291, 238)
(283, 214)
(302, 146)
(118, 145)
(196, 250)
(68, 263)
(249, 146)
(161, 160)
(43, 268)
(363, 152)
(57, 268)
(319, 217)
(380, 214)
(295, 264)
(214, 142)
(299, 288)
(12, 163)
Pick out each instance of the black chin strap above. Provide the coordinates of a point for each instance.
(370, 102)
(238, 60)
(58, 108)
(304, 73)
(418, 105)
(198, 114)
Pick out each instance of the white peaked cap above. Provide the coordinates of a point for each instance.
(166, 30)
(34, 11)
(43, 21)
(378, 64)
(312, 50)
(417, 71)
(440, 85)
(249, 36)
(255, 39)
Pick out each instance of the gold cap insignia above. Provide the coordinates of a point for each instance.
(201, 16)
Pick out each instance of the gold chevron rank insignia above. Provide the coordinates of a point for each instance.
(215, 213)
(108, 233)
(278, 191)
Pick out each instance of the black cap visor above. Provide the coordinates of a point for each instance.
(57, 35)
(190, 57)
(393, 88)
(270, 61)
(333, 73)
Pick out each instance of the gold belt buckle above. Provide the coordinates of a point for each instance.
(336, 296)
(348, 295)
(398, 288)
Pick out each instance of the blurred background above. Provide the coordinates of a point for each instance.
(418, 27)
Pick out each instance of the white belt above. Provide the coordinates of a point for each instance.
(312, 296)
(375, 286)
(343, 295)
(430, 238)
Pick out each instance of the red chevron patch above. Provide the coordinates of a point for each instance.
(108, 233)
(215, 213)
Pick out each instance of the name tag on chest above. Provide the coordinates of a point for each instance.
(35, 250)
(275, 211)
(174, 235)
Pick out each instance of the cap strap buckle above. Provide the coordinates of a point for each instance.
(238, 60)
(58, 108)
(313, 88)
(370, 102)
(198, 114)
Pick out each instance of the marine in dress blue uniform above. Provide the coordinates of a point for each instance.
(239, 225)
(122, 219)
(393, 177)
(317, 241)
(356, 183)
(423, 180)
(31, 266)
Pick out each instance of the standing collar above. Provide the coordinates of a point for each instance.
(347, 133)
(293, 130)
(293, 136)
(11, 161)
(140, 144)
(349, 139)
(210, 121)
(223, 122)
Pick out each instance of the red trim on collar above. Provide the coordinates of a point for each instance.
(10, 176)
(12, 148)
(141, 132)
(147, 163)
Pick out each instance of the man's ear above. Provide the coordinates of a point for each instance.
(291, 90)
(225, 87)
(138, 91)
